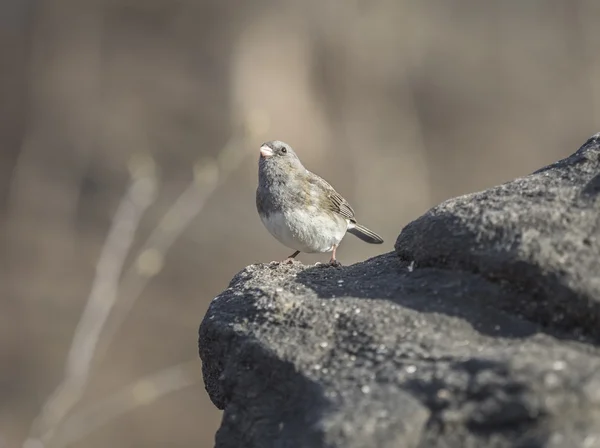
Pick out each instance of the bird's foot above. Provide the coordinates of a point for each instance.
(334, 263)
(290, 259)
(331, 264)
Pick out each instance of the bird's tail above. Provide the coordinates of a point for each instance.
(368, 236)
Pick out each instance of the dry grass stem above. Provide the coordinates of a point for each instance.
(111, 295)
(208, 175)
(102, 298)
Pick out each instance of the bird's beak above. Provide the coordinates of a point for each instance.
(265, 152)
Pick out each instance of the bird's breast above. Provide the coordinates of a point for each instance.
(306, 229)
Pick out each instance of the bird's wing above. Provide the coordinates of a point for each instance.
(332, 200)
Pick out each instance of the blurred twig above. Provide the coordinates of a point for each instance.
(208, 175)
(103, 296)
(108, 297)
(141, 392)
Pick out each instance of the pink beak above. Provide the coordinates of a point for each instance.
(265, 152)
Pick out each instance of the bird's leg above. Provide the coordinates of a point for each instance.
(333, 261)
(290, 259)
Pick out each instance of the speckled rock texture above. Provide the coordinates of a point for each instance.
(481, 330)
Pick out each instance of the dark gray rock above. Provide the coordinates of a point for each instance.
(540, 233)
(449, 345)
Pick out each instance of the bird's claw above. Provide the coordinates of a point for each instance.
(330, 264)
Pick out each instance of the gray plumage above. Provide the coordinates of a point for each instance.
(301, 209)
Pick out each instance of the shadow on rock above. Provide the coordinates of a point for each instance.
(456, 294)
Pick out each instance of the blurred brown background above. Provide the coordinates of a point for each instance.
(399, 104)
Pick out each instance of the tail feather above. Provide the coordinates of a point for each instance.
(368, 236)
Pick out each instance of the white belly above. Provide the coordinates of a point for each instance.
(305, 231)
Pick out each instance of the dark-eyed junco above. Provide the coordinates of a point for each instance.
(299, 208)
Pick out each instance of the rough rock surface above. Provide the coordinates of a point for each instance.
(540, 233)
(480, 331)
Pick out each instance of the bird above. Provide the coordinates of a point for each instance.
(299, 208)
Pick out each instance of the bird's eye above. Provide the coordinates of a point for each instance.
(284, 150)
